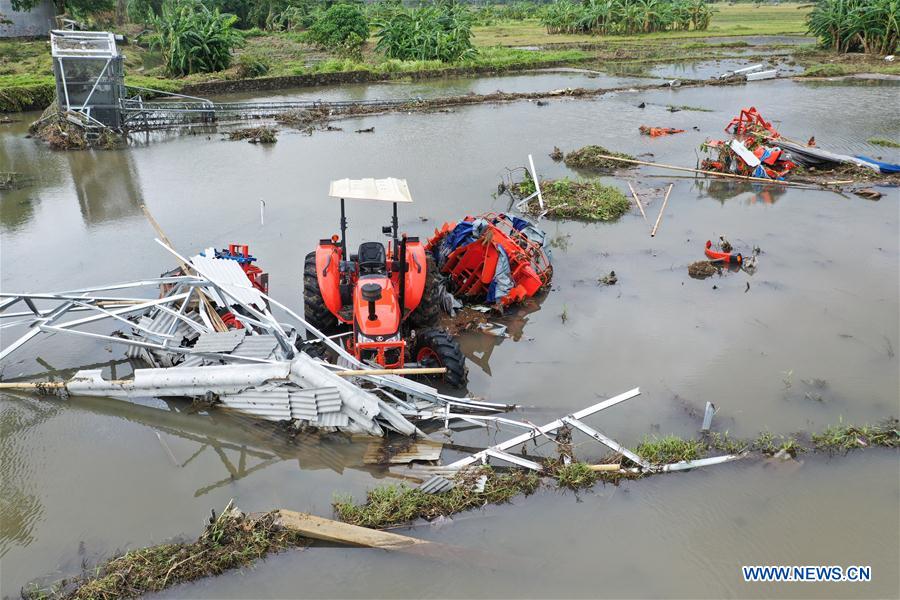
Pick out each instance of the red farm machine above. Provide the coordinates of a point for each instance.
(386, 298)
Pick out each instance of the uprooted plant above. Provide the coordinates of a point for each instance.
(584, 200)
(231, 539)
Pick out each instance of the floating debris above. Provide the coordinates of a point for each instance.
(255, 135)
(703, 269)
(492, 258)
(595, 158)
(658, 131)
(585, 200)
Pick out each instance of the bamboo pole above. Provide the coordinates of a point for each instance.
(636, 201)
(704, 172)
(661, 210)
(610, 467)
(215, 319)
(404, 371)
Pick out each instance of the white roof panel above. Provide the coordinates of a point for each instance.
(389, 189)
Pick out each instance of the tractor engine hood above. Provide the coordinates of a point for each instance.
(385, 308)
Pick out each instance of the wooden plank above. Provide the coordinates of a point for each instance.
(319, 528)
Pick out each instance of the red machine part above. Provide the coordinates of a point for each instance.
(472, 266)
(751, 122)
(723, 256)
(257, 277)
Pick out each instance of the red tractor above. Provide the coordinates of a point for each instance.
(389, 296)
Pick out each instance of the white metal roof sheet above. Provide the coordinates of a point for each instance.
(389, 189)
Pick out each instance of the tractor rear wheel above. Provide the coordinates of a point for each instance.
(437, 348)
(314, 310)
(429, 309)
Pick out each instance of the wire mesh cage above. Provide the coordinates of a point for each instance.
(90, 76)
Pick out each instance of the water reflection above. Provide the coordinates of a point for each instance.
(106, 184)
(20, 505)
(478, 346)
(760, 193)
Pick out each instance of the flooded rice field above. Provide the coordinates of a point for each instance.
(809, 340)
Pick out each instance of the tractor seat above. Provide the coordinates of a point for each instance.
(372, 259)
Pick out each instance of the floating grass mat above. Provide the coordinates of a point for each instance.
(580, 200)
(670, 449)
(255, 135)
(884, 142)
(395, 505)
(589, 159)
(230, 540)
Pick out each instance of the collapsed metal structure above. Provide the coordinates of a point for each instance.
(256, 368)
(91, 91)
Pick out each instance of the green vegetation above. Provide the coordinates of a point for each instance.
(343, 29)
(396, 505)
(626, 17)
(575, 475)
(669, 449)
(585, 200)
(869, 26)
(589, 158)
(193, 38)
(843, 438)
(440, 32)
(26, 92)
(231, 540)
(884, 142)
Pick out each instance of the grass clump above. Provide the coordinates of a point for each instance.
(825, 70)
(395, 505)
(669, 449)
(575, 475)
(688, 107)
(255, 135)
(843, 438)
(884, 142)
(590, 158)
(579, 200)
(230, 540)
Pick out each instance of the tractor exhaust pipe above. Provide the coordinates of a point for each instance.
(371, 293)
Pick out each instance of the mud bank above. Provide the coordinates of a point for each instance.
(264, 84)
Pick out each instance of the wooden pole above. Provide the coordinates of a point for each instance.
(215, 319)
(661, 210)
(704, 172)
(636, 201)
(407, 371)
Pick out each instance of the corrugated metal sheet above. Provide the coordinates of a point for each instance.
(303, 407)
(437, 485)
(256, 346)
(325, 399)
(333, 420)
(272, 404)
(228, 275)
(216, 341)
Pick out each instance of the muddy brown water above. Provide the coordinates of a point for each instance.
(813, 341)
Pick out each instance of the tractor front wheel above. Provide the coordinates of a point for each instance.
(314, 310)
(437, 348)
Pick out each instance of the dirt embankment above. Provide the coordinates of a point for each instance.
(320, 79)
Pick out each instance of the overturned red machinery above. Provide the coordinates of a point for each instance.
(492, 257)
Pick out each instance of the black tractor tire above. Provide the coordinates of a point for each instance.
(437, 348)
(428, 311)
(314, 310)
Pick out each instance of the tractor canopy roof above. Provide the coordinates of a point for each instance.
(389, 189)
